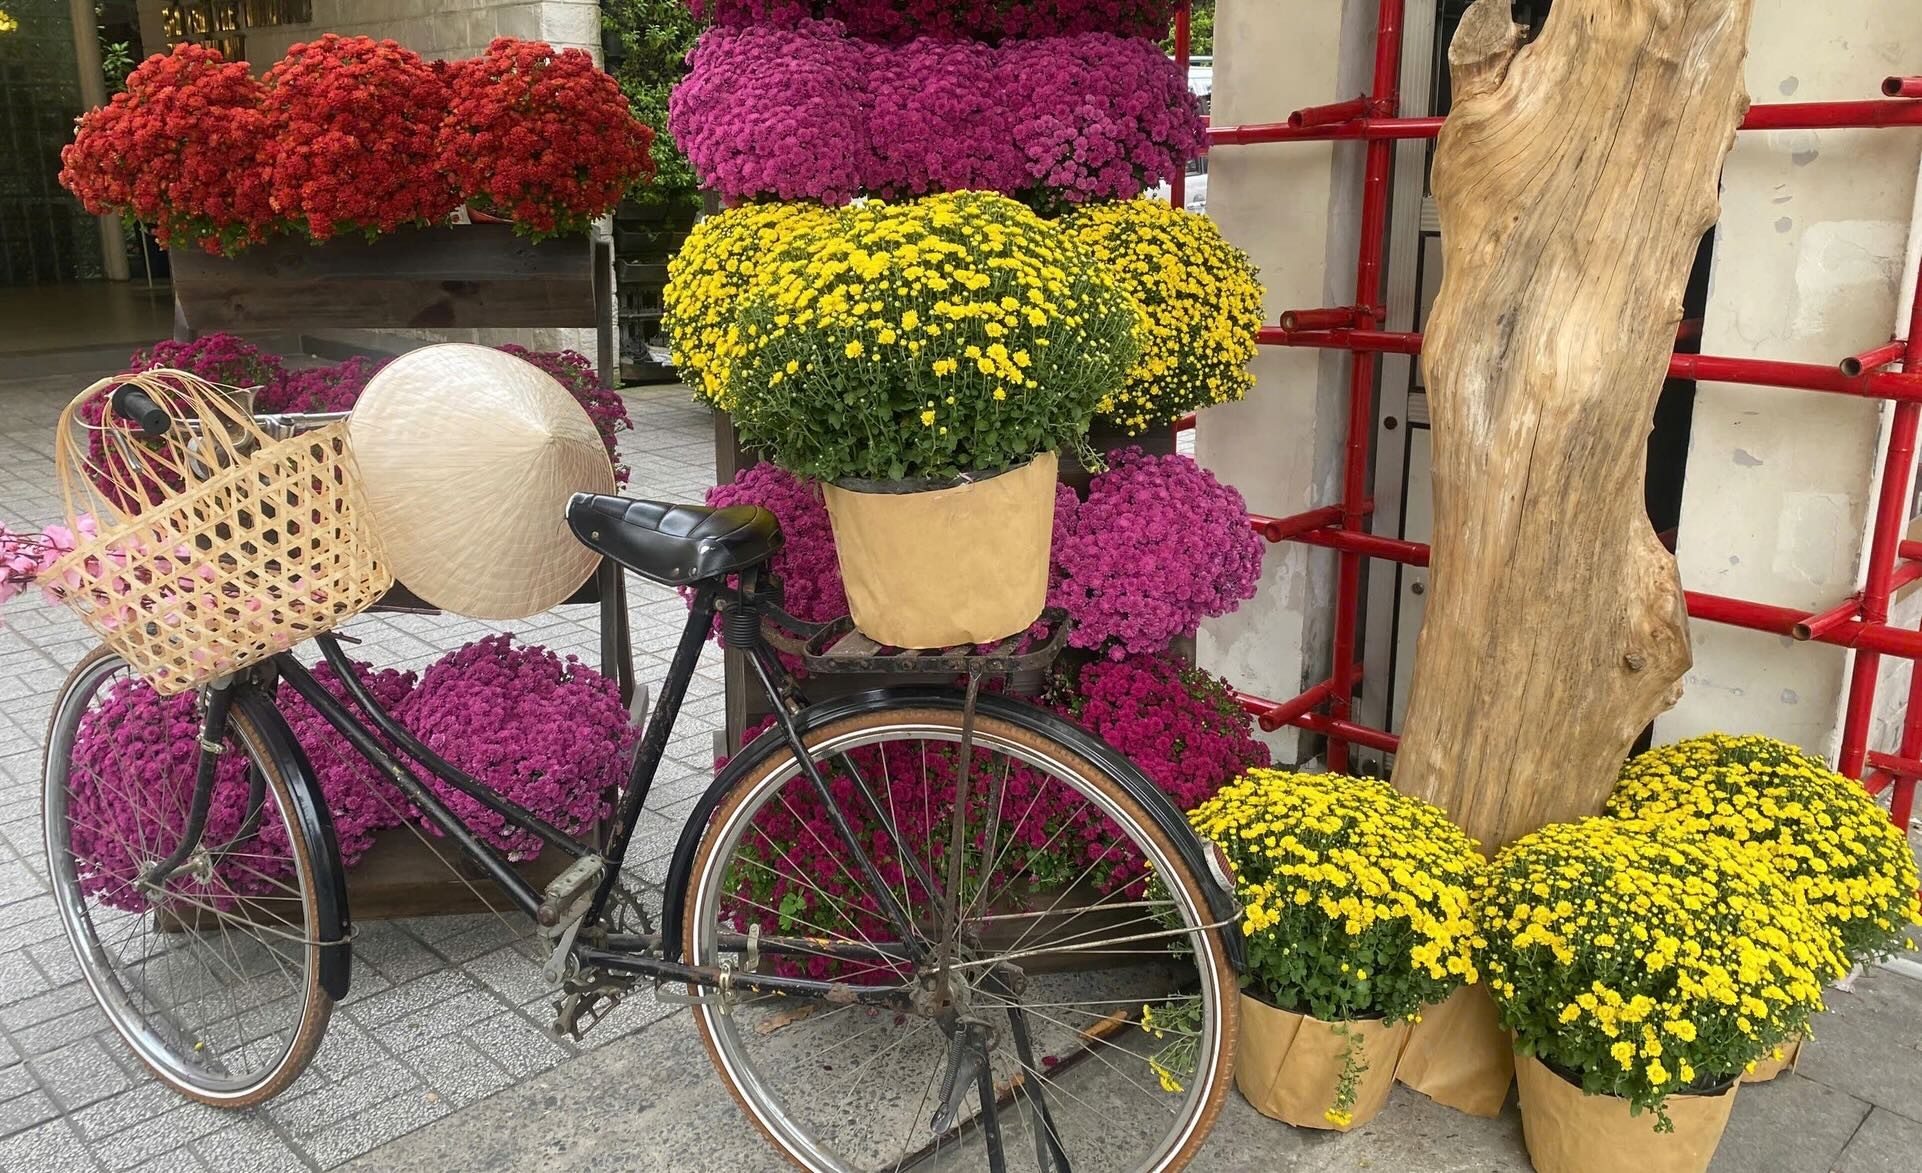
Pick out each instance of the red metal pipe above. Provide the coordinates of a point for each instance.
(1367, 545)
(1376, 341)
(1902, 387)
(1880, 638)
(1273, 717)
(1341, 732)
(1185, 424)
(1902, 803)
(1178, 183)
(1905, 573)
(1902, 87)
(1282, 529)
(1891, 520)
(1833, 115)
(1340, 318)
(1330, 114)
(1386, 89)
(1855, 365)
(1822, 623)
(1776, 116)
(1901, 767)
(1910, 550)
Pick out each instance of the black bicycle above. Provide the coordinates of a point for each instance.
(915, 924)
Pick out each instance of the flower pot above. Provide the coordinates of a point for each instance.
(1289, 1066)
(1771, 1068)
(1569, 1131)
(933, 568)
(1459, 1056)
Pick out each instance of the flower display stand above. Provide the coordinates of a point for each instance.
(457, 277)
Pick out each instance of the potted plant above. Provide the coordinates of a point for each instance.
(176, 150)
(1642, 969)
(1356, 906)
(1200, 301)
(540, 137)
(1821, 830)
(926, 361)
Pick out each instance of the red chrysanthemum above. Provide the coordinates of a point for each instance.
(177, 150)
(544, 138)
(356, 121)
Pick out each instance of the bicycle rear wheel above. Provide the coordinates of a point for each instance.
(213, 979)
(1083, 960)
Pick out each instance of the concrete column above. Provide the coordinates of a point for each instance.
(1292, 207)
(93, 92)
(1808, 254)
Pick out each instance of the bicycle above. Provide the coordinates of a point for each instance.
(916, 925)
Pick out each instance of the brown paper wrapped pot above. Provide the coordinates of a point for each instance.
(963, 565)
(1773, 1068)
(1289, 1065)
(1569, 1132)
(1459, 1056)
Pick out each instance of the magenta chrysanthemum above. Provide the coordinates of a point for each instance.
(809, 113)
(549, 734)
(1158, 546)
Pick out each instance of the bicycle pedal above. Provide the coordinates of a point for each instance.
(577, 1013)
(567, 894)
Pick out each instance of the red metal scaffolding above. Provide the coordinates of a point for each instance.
(1859, 622)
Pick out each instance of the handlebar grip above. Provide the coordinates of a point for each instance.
(135, 406)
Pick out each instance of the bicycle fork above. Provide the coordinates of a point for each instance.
(189, 853)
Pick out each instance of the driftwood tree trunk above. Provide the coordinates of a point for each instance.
(1575, 179)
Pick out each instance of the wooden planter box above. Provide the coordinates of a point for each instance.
(400, 876)
(455, 277)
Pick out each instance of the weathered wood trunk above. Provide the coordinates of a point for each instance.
(1575, 179)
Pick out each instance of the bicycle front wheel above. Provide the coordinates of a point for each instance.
(1067, 943)
(214, 977)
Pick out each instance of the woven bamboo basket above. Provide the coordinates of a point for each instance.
(215, 546)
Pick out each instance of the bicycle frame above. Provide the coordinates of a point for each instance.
(653, 955)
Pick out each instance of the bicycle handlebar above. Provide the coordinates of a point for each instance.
(135, 406)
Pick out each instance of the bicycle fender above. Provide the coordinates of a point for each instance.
(1158, 806)
(313, 821)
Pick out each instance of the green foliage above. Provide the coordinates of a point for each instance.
(648, 55)
(1201, 30)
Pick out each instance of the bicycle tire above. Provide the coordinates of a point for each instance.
(1022, 730)
(174, 922)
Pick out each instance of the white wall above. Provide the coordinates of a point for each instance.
(1808, 256)
(1291, 206)
(439, 28)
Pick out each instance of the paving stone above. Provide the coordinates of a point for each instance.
(58, 1032)
(459, 1072)
(249, 1147)
(45, 1006)
(346, 1048)
(179, 1161)
(1886, 1143)
(515, 1044)
(160, 1135)
(50, 1148)
(391, 950)
(1788, 1124)
(20, 978)
(80, 1074)
(305, 1116)
(25, 1111)
(374, 1127)
(442, 1018)
(1869, 1044)
(411, 997)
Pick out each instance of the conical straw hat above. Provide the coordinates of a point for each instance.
(468, 456)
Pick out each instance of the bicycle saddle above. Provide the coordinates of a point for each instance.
(676, 545)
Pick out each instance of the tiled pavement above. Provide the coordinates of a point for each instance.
(443, 1011)
(441, 1059)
